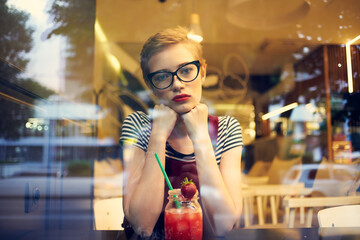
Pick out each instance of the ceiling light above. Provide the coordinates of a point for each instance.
(195, 32)
(99, 32)
(279, 111)
(297, 56)
(348, 63)
(114, 62)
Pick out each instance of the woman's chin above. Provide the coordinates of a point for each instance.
(182, 109)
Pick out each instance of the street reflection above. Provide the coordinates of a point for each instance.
(69, 76)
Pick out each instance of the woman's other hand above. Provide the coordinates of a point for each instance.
(164, 119)
(196, 122)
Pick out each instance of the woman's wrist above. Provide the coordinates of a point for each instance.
(158, 137)
(201, 142)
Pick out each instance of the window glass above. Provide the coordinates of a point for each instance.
(293, 174)
(48, 144)
(319, 174)
(344, 175)
(287, 71)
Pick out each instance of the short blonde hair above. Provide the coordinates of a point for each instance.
(166, 38)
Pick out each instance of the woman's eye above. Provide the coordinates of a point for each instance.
(161, 77)
(186, 70)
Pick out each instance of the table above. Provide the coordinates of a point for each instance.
(236, 234)
(294, 234)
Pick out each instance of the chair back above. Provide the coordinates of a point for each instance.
(109, 214)
(342, 216)
(259, 169)
(280, 167)
(311, 202)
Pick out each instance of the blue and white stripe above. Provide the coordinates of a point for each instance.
(137, 128)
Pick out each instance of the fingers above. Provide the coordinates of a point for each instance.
(160, 111)
(196, 121)
(163, 119)
(199, 111)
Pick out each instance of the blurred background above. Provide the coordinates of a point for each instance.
(288, 71)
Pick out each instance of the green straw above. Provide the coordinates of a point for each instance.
(167, 180)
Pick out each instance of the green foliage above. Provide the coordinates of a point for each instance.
(15, 39)
(79, 169)
(36, 87)
(75, 20)
(15, 42)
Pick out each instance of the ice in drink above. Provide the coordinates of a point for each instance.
(183, 224)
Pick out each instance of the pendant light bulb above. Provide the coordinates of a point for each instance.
(195, 32)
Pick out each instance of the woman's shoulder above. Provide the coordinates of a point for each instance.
(138, 118)
(140, 114)
(136, 129)
(226, 119)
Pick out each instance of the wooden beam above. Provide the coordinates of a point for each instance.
(328, 103)
(320, 201)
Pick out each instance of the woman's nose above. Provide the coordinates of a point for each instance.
(177, 83)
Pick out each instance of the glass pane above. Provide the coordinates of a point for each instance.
(48, 144)
(279, 67)
(287, 71)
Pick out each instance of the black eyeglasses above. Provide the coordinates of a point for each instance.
(186, 73)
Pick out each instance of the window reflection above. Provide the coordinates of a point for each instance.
(69, 75)
(48, 147)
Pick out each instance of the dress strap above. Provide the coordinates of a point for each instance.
(213, 129)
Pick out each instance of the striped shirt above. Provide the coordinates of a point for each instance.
(137, 128)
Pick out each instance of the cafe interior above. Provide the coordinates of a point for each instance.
(288, 71)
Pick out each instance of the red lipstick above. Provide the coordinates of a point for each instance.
(181, 98)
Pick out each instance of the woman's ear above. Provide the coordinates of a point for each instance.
(203, 72)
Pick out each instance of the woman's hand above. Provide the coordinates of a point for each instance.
(196, 122)
(164, 119)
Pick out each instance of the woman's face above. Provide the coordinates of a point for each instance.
(180, 96)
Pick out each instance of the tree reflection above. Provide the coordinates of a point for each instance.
(17, 94)
(15, 41)
(75, 20)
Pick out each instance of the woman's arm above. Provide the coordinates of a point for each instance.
(142, 175)
(220, 187)
(230, 168)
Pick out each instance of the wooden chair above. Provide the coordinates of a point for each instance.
(259, 169)
(109, 214)
(280, 167)
(292, 203)
(258, 195)
(247, 196)
(250, 180)
(342, 216)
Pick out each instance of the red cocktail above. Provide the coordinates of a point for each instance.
(183, 224)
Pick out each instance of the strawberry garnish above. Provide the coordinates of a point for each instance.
(188, 188)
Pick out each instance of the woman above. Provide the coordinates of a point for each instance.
(189, 142)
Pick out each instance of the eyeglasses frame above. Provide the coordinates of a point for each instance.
(196, 62)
